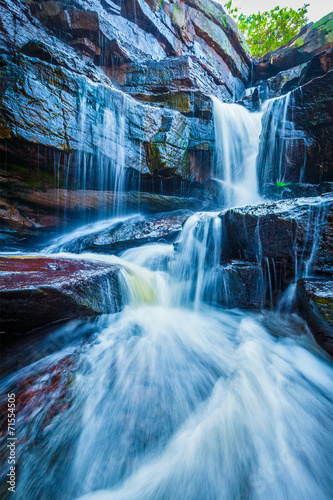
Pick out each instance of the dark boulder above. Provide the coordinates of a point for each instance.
(289, 190)
(315, 303)
(236, 284)
(319, 65)
(35, 291)
(251, 100)
(281, 84)
(295, 235)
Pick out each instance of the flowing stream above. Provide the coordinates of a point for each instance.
(173, 398)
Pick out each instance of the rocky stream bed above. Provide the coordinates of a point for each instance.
(166, 230)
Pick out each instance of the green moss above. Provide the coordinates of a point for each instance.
(329, 37)
(175, 13)
(224, 20)
(31, 176)
(186, 165)
(154, 158)
(298, 42)
(180, 102)
(324, 23)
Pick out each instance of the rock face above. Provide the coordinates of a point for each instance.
(72, 78)
(315, 303)
(236, 284)
(311, 40)
(37, 291)
(289, 190)
(293, 234)
(36, 211)
(312, 113)
(91, 123)
(296, 144)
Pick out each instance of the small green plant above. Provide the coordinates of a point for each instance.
(266, 31)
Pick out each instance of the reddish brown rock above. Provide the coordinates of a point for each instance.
(48, 388)
(11, 218)
(86, 46)
(315, 303)
(35, 291)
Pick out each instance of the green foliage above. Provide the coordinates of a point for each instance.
(266, 31)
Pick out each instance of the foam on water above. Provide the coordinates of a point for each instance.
(237, 134)
(172, 399)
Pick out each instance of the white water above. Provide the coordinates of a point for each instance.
(282, 152)
(176, 400)
(100, 164)
(172, 399)
(237, 134)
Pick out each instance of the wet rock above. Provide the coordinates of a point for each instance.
(51, 208)
(158, 81)
(278, 85)
(288, 190)
(10, 218)
(87, 120)
(311, 40)
(294, 235)
(296, 143)
(236, 284)
(33, 91)
(86, 46)
(128, 233)
(216, 38)
(47, 392)
(251, 100)
(292, 78)
(312, 113)
(315, 303)
(196, 27)
(319, 65)
(61, 117)
(140, 31)
(35, 291)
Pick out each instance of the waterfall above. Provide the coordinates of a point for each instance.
(172, 397)
(160, 398)
(199, 250)
(98, 165)
(282, 151)
(237, 134)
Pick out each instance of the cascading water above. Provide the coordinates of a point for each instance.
(236, 144)
(167, 402)
(172, 398)
(282, 152)
(305, 253)
(95, 175)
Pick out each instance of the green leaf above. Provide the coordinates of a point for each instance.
(268, 30)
